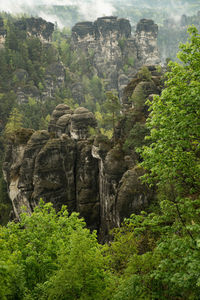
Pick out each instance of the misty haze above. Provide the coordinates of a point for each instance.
(76, 10)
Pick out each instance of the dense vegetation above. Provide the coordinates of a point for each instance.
(153, 255)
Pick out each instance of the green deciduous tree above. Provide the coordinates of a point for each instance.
(49, 255)
(173, 157)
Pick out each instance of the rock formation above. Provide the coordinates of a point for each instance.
(54, 77)
(55, 165)
(65, 165)
(105, 47)
(116, 54)
(33, 27)
(36, 27)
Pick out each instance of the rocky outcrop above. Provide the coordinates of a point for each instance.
(146, 40)
(53, 75)
(33, 27)
(148, 79)
(116, 54)
(64, 165)
(105, 48)
(36, 27)
(27, 92)
(57, 165)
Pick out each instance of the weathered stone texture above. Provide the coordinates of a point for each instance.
(65, 166)
(37, 27)
(57, 165)
(113, 47)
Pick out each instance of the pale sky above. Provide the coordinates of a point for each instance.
(89, 7)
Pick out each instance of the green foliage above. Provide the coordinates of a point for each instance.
(173, 157)
(136, 137)
(5, 205)
(81, 272)
(121, 249)
(7, 101)
(36, 113)
(144, 74)
(65, 53)
(122, 43)
(138, 97)
(97, 89)
(166, 257)
(131, 61)
(14, 122)
(50, 256)
(125, 68)
(112, 108)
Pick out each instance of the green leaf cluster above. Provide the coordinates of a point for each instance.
(50, 255)
(173, 156)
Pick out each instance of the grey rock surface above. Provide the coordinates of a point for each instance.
(66, 167)
(116, 53)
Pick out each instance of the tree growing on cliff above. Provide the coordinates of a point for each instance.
(112, 108)
(14, 121)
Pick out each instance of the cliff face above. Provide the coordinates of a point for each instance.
(55, 165)
(116, 54)
(37, 33)
(54, 76)
(33, 27)
(105, 48)
(65, 165)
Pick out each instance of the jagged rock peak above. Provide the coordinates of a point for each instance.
(101, 27)
(146, 39)
(116, 54)
(74, 124)
(36, 27)
(147, 25)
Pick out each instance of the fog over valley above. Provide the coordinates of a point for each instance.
(68, 12)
